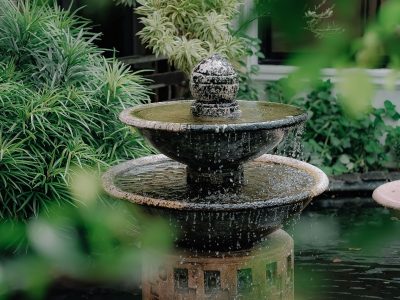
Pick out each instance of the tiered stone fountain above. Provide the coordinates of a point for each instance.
(213, 183)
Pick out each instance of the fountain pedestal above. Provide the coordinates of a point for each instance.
(265, 272)
(221, 180)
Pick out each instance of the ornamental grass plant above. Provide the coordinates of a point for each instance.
(187, 31)
(59, 105)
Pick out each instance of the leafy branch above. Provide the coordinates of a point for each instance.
(59, 102)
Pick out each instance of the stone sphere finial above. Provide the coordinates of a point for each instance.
(214, 85)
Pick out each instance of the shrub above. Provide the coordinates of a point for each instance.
(59, 102)
(335, 142)
(187, 31)
(393, 144)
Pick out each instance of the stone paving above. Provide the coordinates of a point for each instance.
(359, 183)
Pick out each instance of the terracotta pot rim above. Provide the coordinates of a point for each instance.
(384, 195)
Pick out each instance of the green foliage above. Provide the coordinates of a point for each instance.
(187, 31)
(380, 41)
(125, 2)
(88, 243)
(334, 141)
(319, 20)
(353, 100)
(393, 143)
(59, 103)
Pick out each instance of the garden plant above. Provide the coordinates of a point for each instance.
(59, 103)
(81, 245)
(339, 143)
(187, 31)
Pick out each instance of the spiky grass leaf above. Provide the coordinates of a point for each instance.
(59, 101)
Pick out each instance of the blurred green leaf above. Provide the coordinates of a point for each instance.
(356, 92)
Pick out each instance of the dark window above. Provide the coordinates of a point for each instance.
(116, 23)
(118, 26)
(277, 46)
(271, 272)
(244, 280)
(181, 279)
(212, 281)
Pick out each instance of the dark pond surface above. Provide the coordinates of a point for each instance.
(348, 252)
(343, 249)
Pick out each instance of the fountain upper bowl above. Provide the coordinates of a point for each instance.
(207, 144)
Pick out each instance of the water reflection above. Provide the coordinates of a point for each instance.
(264, 272)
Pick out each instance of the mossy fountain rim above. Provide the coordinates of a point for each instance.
(130, 117)
(321, 183)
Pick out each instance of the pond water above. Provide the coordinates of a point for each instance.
(349, 251)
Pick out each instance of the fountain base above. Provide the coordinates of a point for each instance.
(266, 272)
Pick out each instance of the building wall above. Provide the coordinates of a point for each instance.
(378, 77)
(276, 72)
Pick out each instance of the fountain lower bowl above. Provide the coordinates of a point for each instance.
(275, 189)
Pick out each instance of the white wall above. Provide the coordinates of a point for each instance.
(378, 77)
